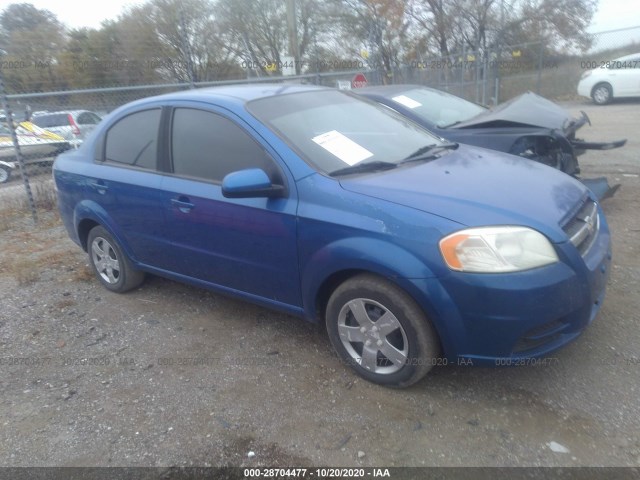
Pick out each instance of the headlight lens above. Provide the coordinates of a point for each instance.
(497, 250)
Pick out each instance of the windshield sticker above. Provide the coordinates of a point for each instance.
(406, 101)
(342, 147)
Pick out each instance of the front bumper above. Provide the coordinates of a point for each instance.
(487, 318)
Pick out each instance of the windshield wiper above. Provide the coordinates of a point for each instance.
(373, 166)
(428, 152)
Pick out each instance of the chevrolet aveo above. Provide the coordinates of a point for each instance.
(411, 250)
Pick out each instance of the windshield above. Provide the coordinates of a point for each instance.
(438, 108)
(333, 130)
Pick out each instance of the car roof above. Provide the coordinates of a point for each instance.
(388, 90)
(242, 93)
(230, 95)
(628, 57)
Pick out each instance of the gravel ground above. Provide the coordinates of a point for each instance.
(170, 375)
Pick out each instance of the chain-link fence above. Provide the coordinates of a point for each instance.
(47, 123)
(495, 75)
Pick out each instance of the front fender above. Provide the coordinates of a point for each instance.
(360, 254)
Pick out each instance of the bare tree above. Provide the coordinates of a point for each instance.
(377, 27)
(258, 31)
(30, 40)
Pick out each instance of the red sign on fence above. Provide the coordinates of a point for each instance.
(359, 81)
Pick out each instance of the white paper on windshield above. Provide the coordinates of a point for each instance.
(406, 101)
(342, 147)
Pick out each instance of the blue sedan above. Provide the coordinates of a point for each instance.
(413, 251)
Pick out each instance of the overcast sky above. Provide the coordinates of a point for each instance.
(612, 14)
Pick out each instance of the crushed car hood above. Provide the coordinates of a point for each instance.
(473, 183)
(529, 110)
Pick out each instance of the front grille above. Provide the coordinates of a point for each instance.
(583, 228)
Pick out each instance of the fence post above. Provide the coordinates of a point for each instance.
(16, 146)
(497, 77)
(485, 73)
(540, 60)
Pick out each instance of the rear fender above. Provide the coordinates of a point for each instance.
(88, 210)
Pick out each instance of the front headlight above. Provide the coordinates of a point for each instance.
(497, 250)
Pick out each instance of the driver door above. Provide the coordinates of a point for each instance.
(245, 245)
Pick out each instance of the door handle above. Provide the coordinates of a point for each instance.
(100, 186)
(183, 204)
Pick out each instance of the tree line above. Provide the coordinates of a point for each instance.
(169, 41)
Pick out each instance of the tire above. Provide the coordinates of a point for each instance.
(110, 265)
(5, 174)
(602, 94)
(398, 352)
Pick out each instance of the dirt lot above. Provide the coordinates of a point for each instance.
(172, 375)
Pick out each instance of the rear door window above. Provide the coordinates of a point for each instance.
(133, 140)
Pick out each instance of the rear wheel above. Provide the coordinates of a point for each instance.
(5, 174)
(602, 94)
(381, 332)
(110, 264)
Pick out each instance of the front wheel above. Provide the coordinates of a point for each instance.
(110, 264)
(381, 332)
(602, 94)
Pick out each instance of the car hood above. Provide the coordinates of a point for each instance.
(476, 187)
(529, 110)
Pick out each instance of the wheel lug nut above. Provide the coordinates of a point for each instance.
(374, 329)
(363, 329)
(379, 343)
(367, 343)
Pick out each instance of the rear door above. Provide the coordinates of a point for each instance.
(245, 244)
(125, 184)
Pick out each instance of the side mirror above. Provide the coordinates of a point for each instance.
(250, 183)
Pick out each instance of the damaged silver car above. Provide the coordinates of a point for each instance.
(529, 126)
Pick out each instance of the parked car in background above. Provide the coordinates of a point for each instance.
(73, 125)
(612, 79)
(414, 251)
(529, 125)
(36, 145)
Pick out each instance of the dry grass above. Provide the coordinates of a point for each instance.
(28, 248)
(6, 219)
(65, 302)
(83, 273)
(30, 252)
(24, 270)
(44, 197)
